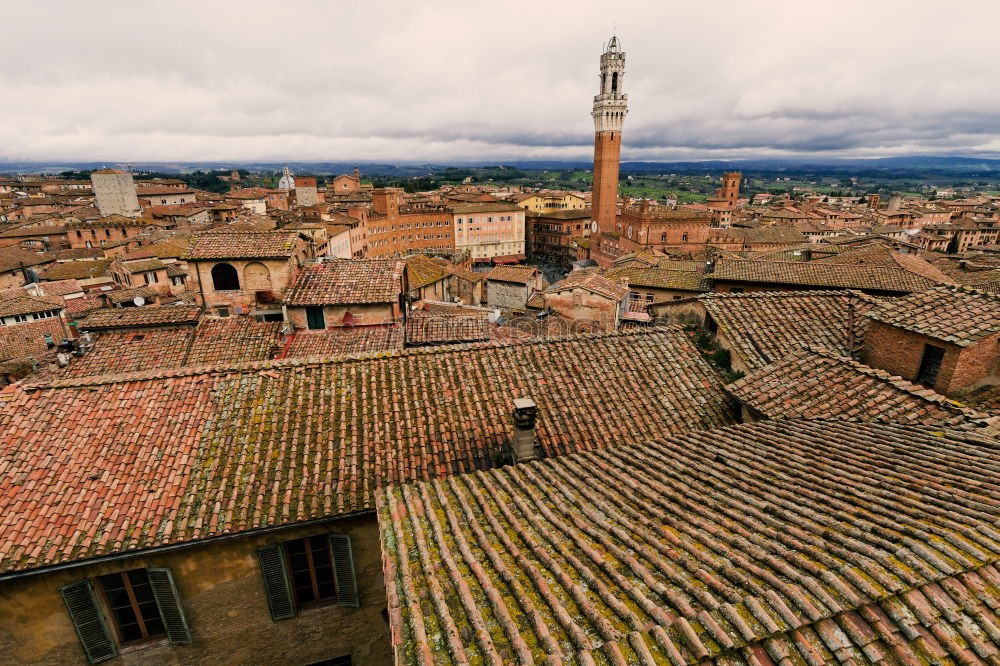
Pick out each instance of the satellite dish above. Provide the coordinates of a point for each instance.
(138, 301)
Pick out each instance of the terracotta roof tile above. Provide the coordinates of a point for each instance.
(143, 265)
(133, 351)
(425, 328)
(791, 542)
(150, 315)
(958, 315)
(347, 341)
(234, 340)
(347, 281)
(24, 304)
(28, 339)
(154, 458)
(822, 274)
(518, 274)
(422, 271)
(765, 326)
(661, 278)
(78, 269)
(818, 385)
(243, 245)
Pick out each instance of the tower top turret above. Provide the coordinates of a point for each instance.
(611, 104)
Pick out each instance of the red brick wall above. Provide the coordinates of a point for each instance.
(584, 305)
(607, 153)
(900, 352)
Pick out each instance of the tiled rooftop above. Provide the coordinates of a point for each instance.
(661, 278)
(422, 271)
(28, 339)
(347, 281)
(25, 304)
(765, 326)
(822, 274)
(592, 281)
(958, 315)
(76, 269)
(348, 341)
(518, 274)
(817, 385)
(425, 328)
(234, 340)
(242, 245)
(166, 456)
(781, 542)
(149, 315)
(143, 265)
(133, 351)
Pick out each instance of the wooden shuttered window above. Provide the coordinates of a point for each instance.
(165, 592)
(88, 620)
(343, 570)
(283, 596)
(276, 586)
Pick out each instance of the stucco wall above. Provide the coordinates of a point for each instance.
(222, 594)
(506, 294)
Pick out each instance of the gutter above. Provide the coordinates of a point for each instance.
(156, 550)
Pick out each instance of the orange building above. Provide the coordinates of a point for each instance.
(393, 228)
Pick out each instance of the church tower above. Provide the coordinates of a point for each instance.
(610, 107)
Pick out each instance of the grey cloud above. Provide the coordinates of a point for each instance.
(232, 80)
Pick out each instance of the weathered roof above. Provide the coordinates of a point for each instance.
(76, 269)
(880, 255)
(661, 278)
(959, 315)
(143, 265)
(426, 328)
(160, 457)
(347, 341)
(347, 281)
(25, 304)
(12, 258)
(149, 315)
(762, 327)
(818, 385)
(422, 271)
(518, 274)
(242, 245)
(593, 282)
(234, 340)
(791, 542)
(822, 274)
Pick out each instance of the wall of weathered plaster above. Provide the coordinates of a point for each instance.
(222, 594)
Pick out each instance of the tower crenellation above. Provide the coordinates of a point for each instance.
(611, 104)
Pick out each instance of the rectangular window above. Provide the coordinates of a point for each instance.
(133, 606)
(311, 567)
(308, 571)
(930, 365)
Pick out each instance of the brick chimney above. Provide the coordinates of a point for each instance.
(524, 447)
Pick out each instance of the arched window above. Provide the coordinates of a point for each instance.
(225, 278)
(614, 81)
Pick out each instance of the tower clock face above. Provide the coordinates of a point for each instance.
(630, 231)
(593, 227)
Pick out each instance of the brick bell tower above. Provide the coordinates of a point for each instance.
(610, 107)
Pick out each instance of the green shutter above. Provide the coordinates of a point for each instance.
(276, 586)
(343, 570)
(165, 593)
(88, 620)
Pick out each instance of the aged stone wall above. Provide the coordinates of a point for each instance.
(584, 305)
(222, 594)
(506, 294)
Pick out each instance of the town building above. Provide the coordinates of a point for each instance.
(549, 202)
(346, 293)
(245, 272)
(512, 286)
(551, 234)
(947, 338)
(585, 295)
(490, 232)
(202, 489)
(165, 195)
(115, 193)
(394, 228)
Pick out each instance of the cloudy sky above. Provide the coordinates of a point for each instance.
(435, 81)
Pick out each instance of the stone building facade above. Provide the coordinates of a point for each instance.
(115, 193)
